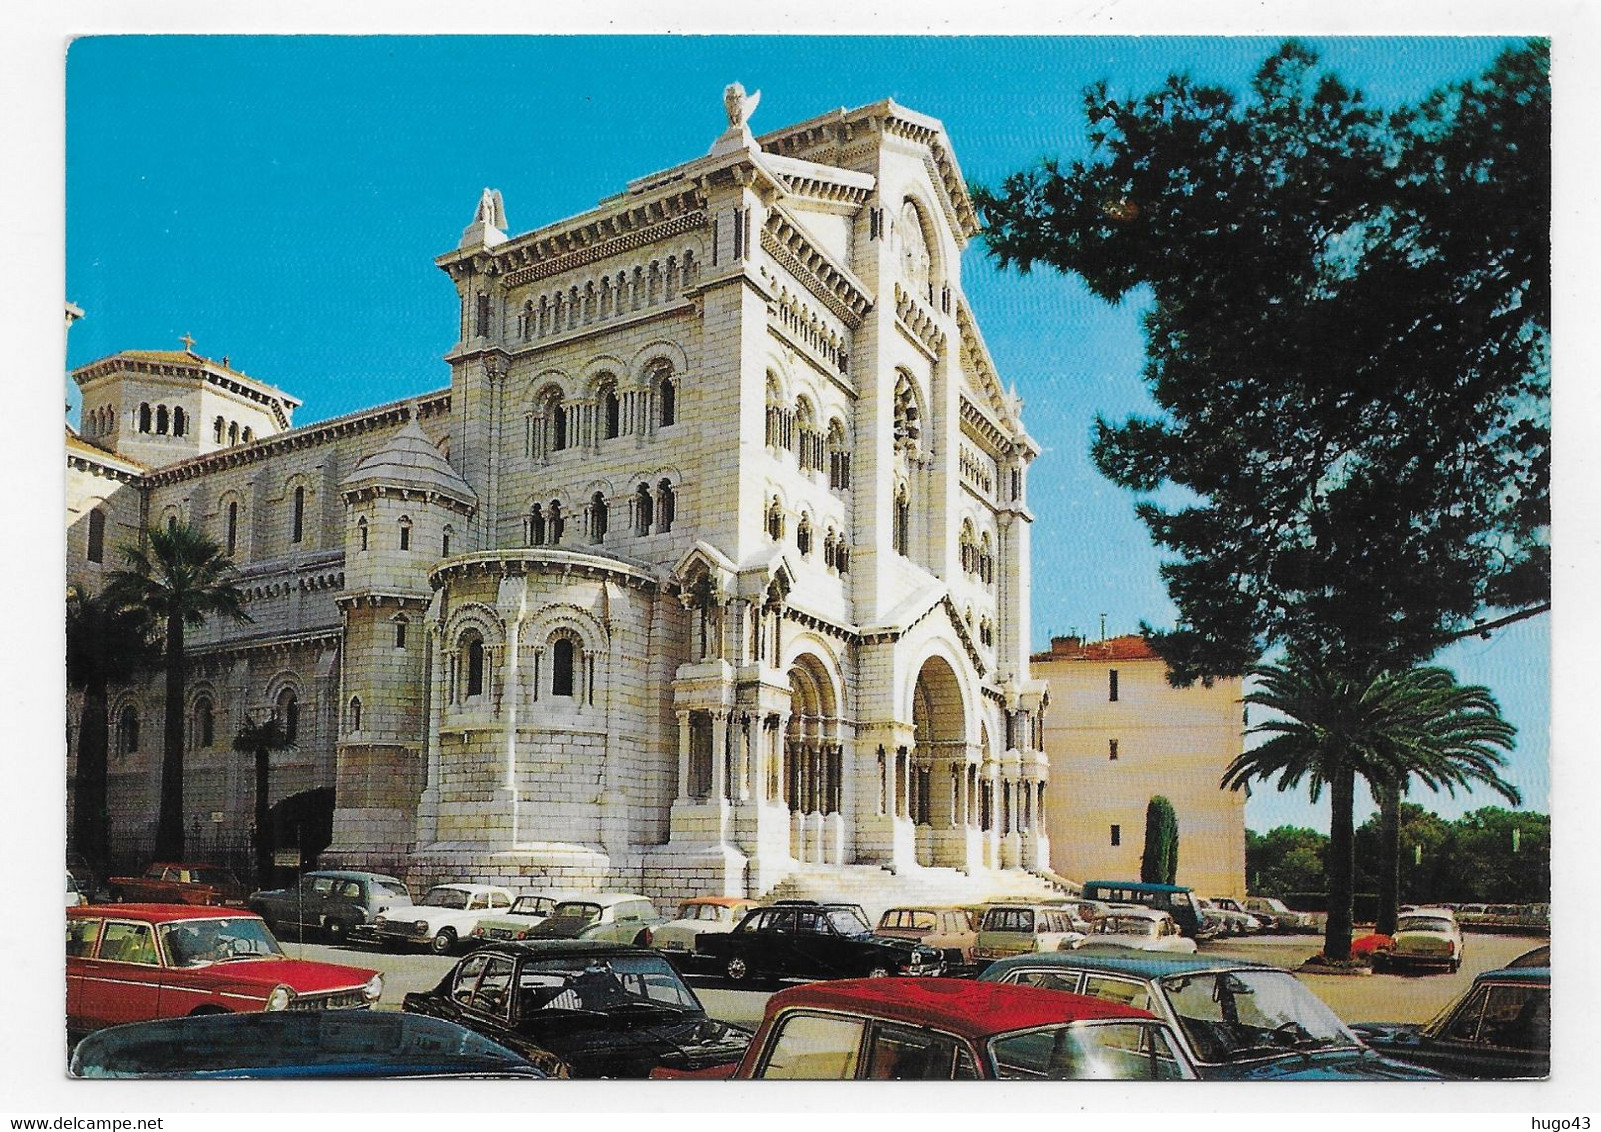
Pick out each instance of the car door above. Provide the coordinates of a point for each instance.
(771, 947)
(1499, 1031)
(122, 983)
(815, 950)
(812, 1047)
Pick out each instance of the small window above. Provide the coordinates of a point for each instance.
(97, 536)
(247, 435)
(564, 661)
(644, 510)
(1111, 684)
(233, 432)
(400, 632)
(405, 534)
(481, 322)
(355, 713)
(179, 421)
(666, 507)
(1117, 835)
(467, 977)
(298, 525)
(1111, 750)
(205, 722)
(361, 533)
(475, 667)
(611, 411)
(128, 731)
(444, 544)
(233, 528)
(216, 429)
(597, 517)
(81, 937)
(289, 714)
(144, 418)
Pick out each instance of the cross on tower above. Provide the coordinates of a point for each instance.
(188, 343)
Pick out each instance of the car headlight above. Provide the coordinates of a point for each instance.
(280, 998)
(374, 988)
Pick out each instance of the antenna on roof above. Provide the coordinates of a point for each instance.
(1103, 626)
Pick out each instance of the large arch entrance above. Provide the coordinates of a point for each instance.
(937, 780)
(814, 764)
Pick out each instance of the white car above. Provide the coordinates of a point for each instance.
(447, 915)
(1286, 918)
(1240, 921)
(75, 895)
(613, 917)
(527, 912)
(1426, 937)
(1143, 929)
(701, 914)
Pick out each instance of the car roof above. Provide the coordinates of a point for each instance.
(604, 899)
(556, 948)
(720, 901)
(971, 1009)
(1137, 912)
(1137, 885)
(160, 913)
(925, 908)
(473, 888)
(350, 874)
(1535, 975)
(1144, 965)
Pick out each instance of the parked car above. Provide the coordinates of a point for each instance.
(135, 962)
(610, 917)
(676, 938)
(447, 915)
(526, 913)
(1428, 937)
(1241, 922)
(1285, 918)
(1012, 929)
(1234, 1021)
(948, 1030)
(292, 1044)
(1174, 899)
(944, 926)
(812, 941)
(1499, 1028)
(1143, 929)
(87, 877)
(176, 883)
(602, 1009)
(1534, 957)
(334, 903)
(75, 895)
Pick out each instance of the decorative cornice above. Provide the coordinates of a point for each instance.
(606, 249)
(267, 642)
(918, 321)
(269, 397)
(942, 171)
(788, 244)
(87, 463)
(540, 560)
(402, 492)
(376, 598)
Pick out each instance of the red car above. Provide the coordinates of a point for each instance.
(179, 883)
(934, 1029)
(135, 962)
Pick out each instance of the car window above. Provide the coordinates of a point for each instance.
(129, 943)
(1124, 991)
(1121, 1051)
(812, 923)
(323, 886)
(899, 1053)
(1049, 980)
(350, 890)
(1009, 920)
(81, 937)
(1517, 1017)
(466, 976)
(388, 886)
(490, 995)
(442, 897)
(813, 1047)
(499, 900)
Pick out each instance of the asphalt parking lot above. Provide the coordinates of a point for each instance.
(1355, 998)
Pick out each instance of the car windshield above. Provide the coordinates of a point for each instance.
(1424, 924)
(603, 983)
(1246, 1014)
(532, 906)
(1115, 1051)
(576, 910)
(389, 886)
(697, 911)
(199, 943)
(215, 877)
(848, 921)
(446, 898)
(907, 918)
(1126, 925)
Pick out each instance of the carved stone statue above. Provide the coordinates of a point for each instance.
(739, 106)
(491, 210)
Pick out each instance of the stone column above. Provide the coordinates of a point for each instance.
(719, 756)
(683, 754)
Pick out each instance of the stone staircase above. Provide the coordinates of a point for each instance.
(876, 888)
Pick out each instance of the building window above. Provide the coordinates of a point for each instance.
(597, 517)
(558, 427)
(298, 528)
(161, 420)
(1117, 835)
(233, 432)
(611, 412)
(900, 522)
(563, 661)
(205, 723)
(246, 435)
(355, 713)
(400, 632)
(1111, 750)
(536, 526)
(178, 421)
(361, 533)
(128, 731)
(775, 521)
(444, 543)
(556, 524)
(1111, 684)
(475, 666)
(803, 536)
(481, 323)
(839, 459)
(144, 418)
(216, 429)
(667, 395)
(233, 527)
(97, 536)
(645, 510)
(405, 533)
(666, 506)
(288, 713)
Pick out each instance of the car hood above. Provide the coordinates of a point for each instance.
(304, 976)
(1336, 1065)
(666, 1037)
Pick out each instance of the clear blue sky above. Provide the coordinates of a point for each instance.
(282, 199)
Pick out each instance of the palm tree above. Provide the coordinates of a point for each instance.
(107, 644)
(1460, 729)
(180, 577)
(1333, 727)
(260, 740)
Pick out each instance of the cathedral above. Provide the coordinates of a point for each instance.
(708, 570)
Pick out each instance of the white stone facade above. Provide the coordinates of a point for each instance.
(711, 565)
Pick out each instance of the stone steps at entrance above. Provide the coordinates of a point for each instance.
(876, 888)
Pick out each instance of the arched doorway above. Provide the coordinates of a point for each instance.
(814, 763)
(936, 777)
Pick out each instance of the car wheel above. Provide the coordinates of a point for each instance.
(443, 942)
(737, 970)
(878, 973)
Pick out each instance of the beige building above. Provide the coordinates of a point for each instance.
(708, 571)
(1118, 735)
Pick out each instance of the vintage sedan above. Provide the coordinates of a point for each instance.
(334, 903)
(308, 1045)
(945, 926)
(135, 962)
(1143, 929)
(812, 941)
(445, 917)
(1013, 929)
(179, 883)
(676, 938)
(610, 917)
(602, 1009)
(1426, 937)
(1234, 1021)
(950, 1030)
(526, 913)
(1500, 1028)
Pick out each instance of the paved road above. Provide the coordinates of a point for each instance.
(1372, 998)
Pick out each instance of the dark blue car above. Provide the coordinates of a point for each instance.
(1499, 1029)
(1236, 1021)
